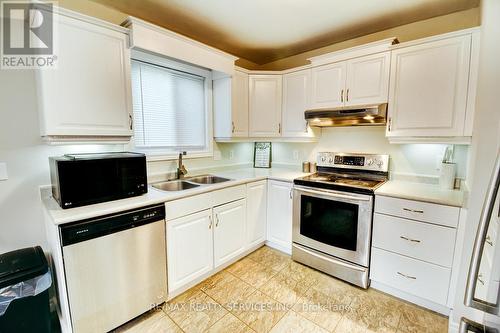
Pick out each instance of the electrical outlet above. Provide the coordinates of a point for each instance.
(296, 155)
(3, 171)
(231, 154)
(217, 155)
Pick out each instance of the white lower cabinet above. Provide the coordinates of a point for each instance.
(279, 215)
(209, 231)
(189, 248)
(256, 213)
(413, 249)
(412, 276)
(229, 231)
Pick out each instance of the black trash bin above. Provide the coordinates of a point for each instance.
(24, 291)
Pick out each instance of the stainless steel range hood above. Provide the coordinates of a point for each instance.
(363, 115)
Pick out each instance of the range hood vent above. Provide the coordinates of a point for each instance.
(363, 115)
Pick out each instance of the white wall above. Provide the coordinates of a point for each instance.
(21, 222)
(486, 141)
(419, 159)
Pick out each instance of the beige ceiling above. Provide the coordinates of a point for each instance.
(267, 30)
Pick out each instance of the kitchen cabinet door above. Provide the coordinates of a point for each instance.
(265, 105)
(368, 79)
(296, 92)
(428, 88)
(189, 248)
(89, 94)
(231, 106)
(229, 231)
(279, 215)
(256, 213)
(328, 85)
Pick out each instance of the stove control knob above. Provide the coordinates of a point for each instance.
(379, 163)
(323, 159)
(330, 159)
(369, 162)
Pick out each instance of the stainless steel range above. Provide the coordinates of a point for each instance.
(333, 211)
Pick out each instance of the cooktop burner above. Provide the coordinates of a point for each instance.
(343, 180)
(348, 172)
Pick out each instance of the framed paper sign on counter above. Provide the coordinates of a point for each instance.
(262, 155)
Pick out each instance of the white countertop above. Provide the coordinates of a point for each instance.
(154, 196)
(422, 192)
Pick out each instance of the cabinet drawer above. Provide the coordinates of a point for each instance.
(417, 210)
(413, 276)
(186, 206)
(229, 194)
(428, 242)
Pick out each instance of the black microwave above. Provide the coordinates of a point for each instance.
(84, 179)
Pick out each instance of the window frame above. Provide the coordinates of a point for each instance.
(163, 154)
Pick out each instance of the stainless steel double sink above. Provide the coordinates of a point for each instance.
(189, 183)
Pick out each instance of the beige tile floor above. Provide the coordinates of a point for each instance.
(268, 292)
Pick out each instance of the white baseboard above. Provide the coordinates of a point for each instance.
(286, 249)
(444, 310)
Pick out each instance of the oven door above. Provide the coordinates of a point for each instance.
(333, 222)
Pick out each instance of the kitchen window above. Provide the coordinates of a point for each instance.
(171, 104)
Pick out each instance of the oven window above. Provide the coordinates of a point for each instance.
(330, 222)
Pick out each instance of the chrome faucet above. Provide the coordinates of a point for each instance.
(181, 169)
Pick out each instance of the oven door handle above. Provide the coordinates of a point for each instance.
(333, 195)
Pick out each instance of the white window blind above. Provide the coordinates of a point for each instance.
(169, 108)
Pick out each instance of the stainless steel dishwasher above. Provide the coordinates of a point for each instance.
(115, 267)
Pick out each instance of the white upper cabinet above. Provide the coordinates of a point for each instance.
(327, 86)
(368, 79)
(428, 91)
(88, 96)
(231, 106)
(358, 81)
(265, 105)
(296, 89)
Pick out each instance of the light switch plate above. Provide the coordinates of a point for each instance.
(3, 171)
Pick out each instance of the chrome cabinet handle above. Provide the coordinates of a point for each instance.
(216, 220)
(210, 225)
(413, 210)
(347, 95)
(232, 123)
(130, 121)
(279, 128)
(407, 276)
(409, 239)
(390, 124)
(291, 193)
(342, 95)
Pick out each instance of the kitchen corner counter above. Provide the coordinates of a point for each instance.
(154, 196)
(422, 192)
